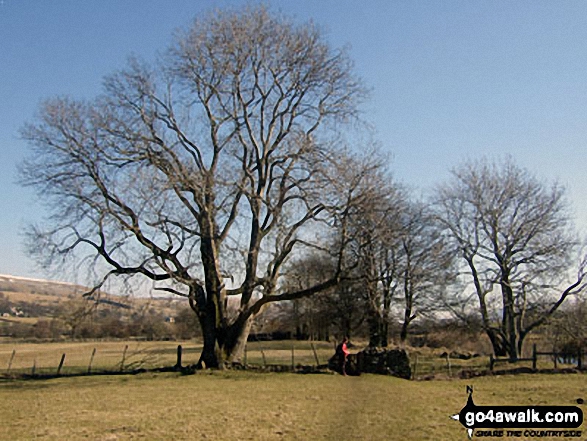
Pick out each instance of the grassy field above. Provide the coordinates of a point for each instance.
(143, 354)
(108, 356)
(253, 406)
(236, 405)
(112, 356)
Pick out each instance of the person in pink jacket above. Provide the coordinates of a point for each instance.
(343, 352)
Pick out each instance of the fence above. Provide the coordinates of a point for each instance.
(83, 358)
(557, 359)
(77, 359)
(429, 365)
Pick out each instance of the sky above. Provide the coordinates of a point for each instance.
(449, 81)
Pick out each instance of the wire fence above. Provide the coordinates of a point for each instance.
(86, 358)
(83, 358)
(432, 365)
(72, 359)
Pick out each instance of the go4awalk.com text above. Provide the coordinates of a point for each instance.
(520, 421)
(528, 433)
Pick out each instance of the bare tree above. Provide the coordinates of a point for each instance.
(341, 309)
(425, 267)
(311, 317)
(568, 329)
(74, 312)
(514, 234)
(405, 263)
(205, 173)
(374, 228)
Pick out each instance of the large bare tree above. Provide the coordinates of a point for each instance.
(374, 229)
(425, 264)
(514, 235)
(205, 172)
(403, 259)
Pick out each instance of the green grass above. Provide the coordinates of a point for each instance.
(246, 405)
(252, 406)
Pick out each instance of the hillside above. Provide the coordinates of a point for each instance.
(27, 302)
(35, 297)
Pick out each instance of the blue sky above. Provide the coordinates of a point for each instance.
(450, 80)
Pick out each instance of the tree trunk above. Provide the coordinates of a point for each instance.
(211, 300)
(237, 337)
(509, 321)
(222, 344)
(408, 318)
(346, 327)
(404, 332)
(497, 342)
(521, 338)
(211, 356)
(377, 331)
(384, 333)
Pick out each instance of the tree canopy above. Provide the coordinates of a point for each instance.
(514, 234)
(205, 172)
(234, 158)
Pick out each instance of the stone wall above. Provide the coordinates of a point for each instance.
(375, 361)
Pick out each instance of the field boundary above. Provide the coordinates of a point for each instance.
(86, 359)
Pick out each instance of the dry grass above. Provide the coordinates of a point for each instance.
(142, 354)
(108, 357)
(251, 406)
(46, 356)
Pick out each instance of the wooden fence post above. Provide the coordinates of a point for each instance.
(246, 354)
(60, 365)
(91, 360)
(491, 362)
(34, 367)
(580, 359)
(264, 359)
(415, 370)
(292, 356)
(123, 358)
(555, 360)
(179, 353)
(534, 357)
(448, 366)
(315, 354)
(10, 362)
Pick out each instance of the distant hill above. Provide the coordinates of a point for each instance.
(37, 297)
(41, 298)
(46, 309)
